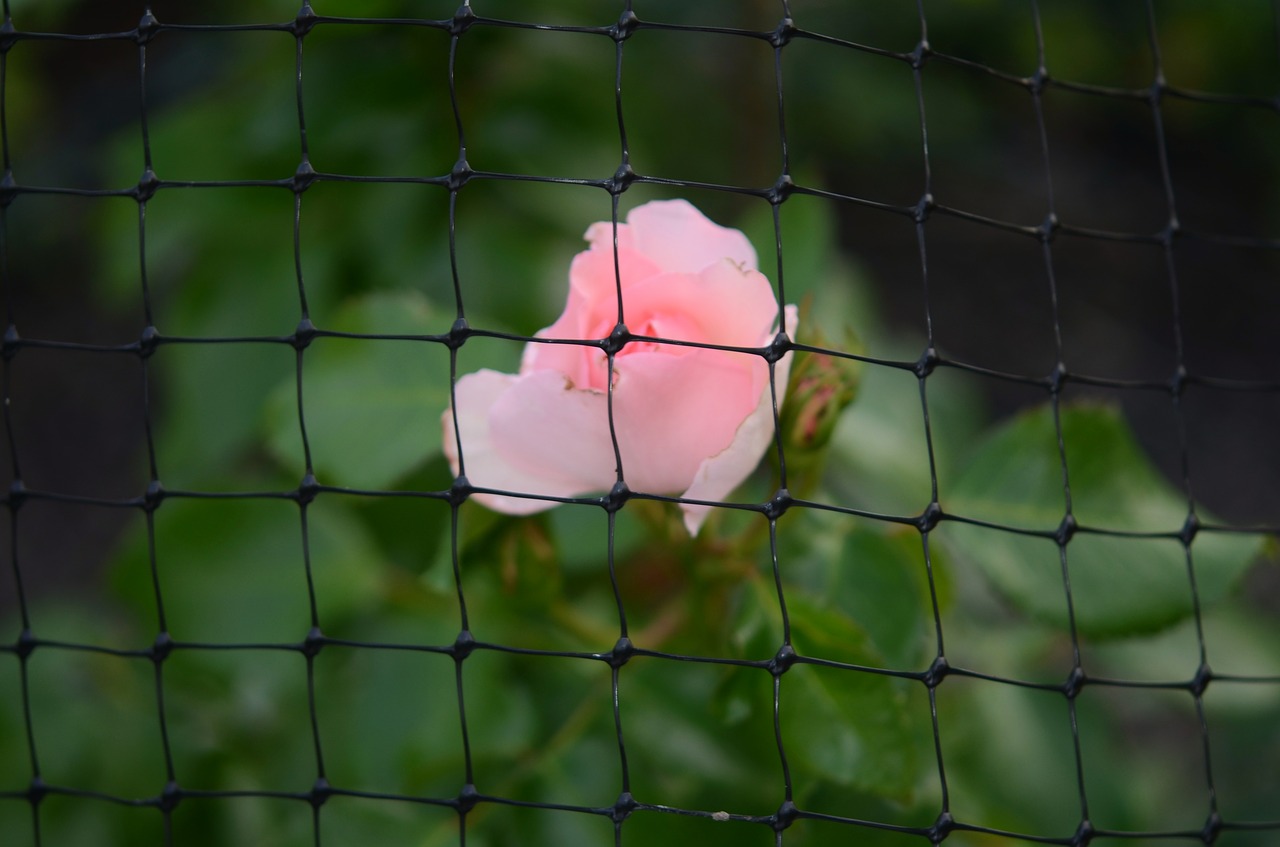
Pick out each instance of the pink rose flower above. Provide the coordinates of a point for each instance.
(689, 420)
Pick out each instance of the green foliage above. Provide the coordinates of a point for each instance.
(237, 569)
(1119, 585)
(366, 401)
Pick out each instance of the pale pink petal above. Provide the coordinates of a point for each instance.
(672, 412)
(600, 236)
(567, 424)
(559, 435)
(720, 474)
(593, 277)
(583, 365)
(678, 237)
(591, 312)
(723, 304)
(476, 393)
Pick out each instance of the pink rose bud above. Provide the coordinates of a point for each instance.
(690, 421)
(822, 386)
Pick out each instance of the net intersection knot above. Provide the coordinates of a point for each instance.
(1199, 682)
(148, 27)
(462, 20)
(613, 343)
(786, 815)
(623, 807)
(463, 646)
(467, 799)
(923, 208)
(1058, 377)
(920, 55)
(303, 334)
(628, 23)
(148, 341)
(26, 644)
(12, 341)
(783, 188)
(1066, 530)
(621, 653)
(1038, 81)
(170, 796)
(783, 660)
(1075, 681)
(320, 793)
(304, 177)
(930, 517)
(147, 186)
(777, 505)
(927, 363)
(308, 489)
(314, 642)
(1048, 229)
(622, 179)
(616, 498)
(1178, 382)
(942, 827)
(37, 791)
(1190, 527)
(1159, 86)
(1083, 834)
(8, 35)
(459, 491)
(162, 648)
(460, 174)
(17, 495)
(306, 19)
(458, 334)
(937, 672)
(779, 347)
(1212, 828)
(783, 33)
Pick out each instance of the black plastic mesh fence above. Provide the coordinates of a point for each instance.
(271, 635)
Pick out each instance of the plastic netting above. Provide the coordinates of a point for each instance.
(1065, 221)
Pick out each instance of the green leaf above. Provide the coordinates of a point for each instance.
(234, 570)
(848, 726)
(372, 406)
(871, 571)
(1119, 585)
(879, 458)
(840, 726)
(880, 581)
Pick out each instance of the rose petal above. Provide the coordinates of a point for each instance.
(557, 434)
(676, 236)
(591, 312)
(583, 365)
(593, 278)
(476, 393)
(663, 236)
(500, 413)
(670, 413)
(723, 304)
(720, 474)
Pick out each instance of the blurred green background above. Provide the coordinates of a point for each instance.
(700, 107)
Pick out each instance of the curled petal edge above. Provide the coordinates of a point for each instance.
(477, 394)
(720, 474)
